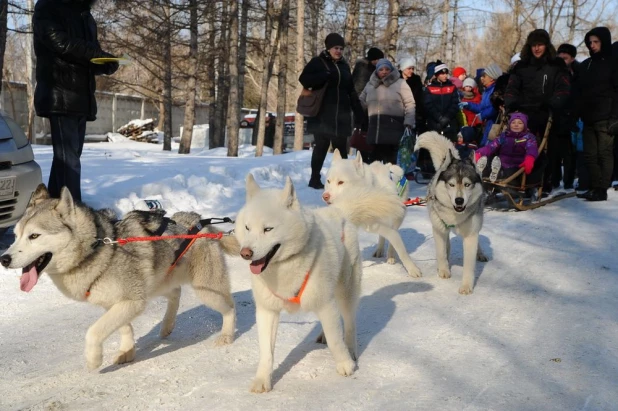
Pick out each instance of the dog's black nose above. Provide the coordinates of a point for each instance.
(459, 201)
(5, 260)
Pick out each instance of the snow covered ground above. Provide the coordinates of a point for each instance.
(540, 331)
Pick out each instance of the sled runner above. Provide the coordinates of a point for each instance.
(525, 192)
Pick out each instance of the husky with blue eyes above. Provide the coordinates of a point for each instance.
(299, 259)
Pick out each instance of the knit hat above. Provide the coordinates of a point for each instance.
(458, 71)
(538, 36)
(440, 67)
(519, 116)
(406, 63)
(569, 49)
(374, 54)
(332, 40)
(430, 69)
(468, 134)
(384, 63)
(493, 70)
(469, 82)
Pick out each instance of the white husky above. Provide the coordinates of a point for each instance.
(368, 197)
(300, 259)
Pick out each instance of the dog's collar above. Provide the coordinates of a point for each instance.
(447, 226)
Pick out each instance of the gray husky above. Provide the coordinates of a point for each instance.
(455, 200)
(63, 238)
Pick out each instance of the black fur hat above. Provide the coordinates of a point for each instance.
(569, 49)
(538, 36)
(332, 40)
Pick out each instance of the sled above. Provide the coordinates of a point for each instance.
(417, 201)
(525, 196)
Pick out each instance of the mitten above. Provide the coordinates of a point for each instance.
(528, 164)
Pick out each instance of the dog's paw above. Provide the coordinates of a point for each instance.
(260, 385)
(346, 368)
(125, 356)
(378, 253)
(413, 271)
(224, 339)
(166, 329)
(465, 289)
(444, 273)
(390, 260)
(321, 338)
(94, 361)
(482, 258)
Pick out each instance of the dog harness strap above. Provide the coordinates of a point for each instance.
(296, 299)
(187, 243)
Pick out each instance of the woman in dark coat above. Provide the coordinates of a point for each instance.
(333, 124)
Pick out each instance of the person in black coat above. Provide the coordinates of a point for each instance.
(333, 124)
(442, 104)
(597, 105)
(539, 84)
(406, 66)
(65, 40)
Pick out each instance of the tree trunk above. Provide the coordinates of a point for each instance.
(452, 51)
(351, 29)
(4, 8)
(233, 117)
(30, 65)
(299, 129)
(212, 75)
(222, 92)
(189, 121)
(283, 73)
(270, 43)
(167, 78)
(242, 50)
(445, 11)
(573, 21)
(371, 24)
(315, 27)
(392, 29)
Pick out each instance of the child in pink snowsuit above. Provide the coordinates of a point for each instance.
(515, 148)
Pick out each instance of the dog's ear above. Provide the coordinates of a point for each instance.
(251, 187)
(471, 157)
(289, 195)
(66, 205)
(359, 165)
(337, 155)
(40, 194)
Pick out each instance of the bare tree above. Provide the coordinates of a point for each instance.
(218, 139)
(233, 117)
(167, 77)
(284, 19)
(351, 29)
(189, 121)
(446, 7)
(242, 50)
(4, 8)
(299, 128)
(392, 30)
(271, 39)
(30, 65)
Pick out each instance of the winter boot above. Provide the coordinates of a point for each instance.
(599, 194)
(481, 164)
(496, 165)
(315, 182)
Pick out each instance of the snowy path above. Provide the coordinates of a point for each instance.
(539, 331)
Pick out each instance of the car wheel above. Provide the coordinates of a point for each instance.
(244, 123)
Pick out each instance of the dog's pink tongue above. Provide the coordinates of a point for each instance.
(256, 267)
(29, 278)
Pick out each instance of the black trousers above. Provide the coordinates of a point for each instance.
(68, 134)
(386, 153)
(322, 143)
(565, 159)
(599, 154)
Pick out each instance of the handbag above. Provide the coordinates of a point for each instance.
(309, 102)
(359, 141)
(496, 128)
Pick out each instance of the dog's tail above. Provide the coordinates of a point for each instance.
(230, 245)
(437, 145)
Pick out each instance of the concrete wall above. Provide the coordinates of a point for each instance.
(114, 110)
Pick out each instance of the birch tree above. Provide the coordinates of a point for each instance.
(4, 9)
(284, 19)
(299, 128)
(392, 30)
(233, 116)
(191, 84)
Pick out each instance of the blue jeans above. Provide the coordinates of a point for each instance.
(68, 134)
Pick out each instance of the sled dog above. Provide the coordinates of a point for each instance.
(62, 237)
(300, 259)
(455, 200)
(368, 198)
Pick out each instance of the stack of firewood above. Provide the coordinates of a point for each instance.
(139, 130)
